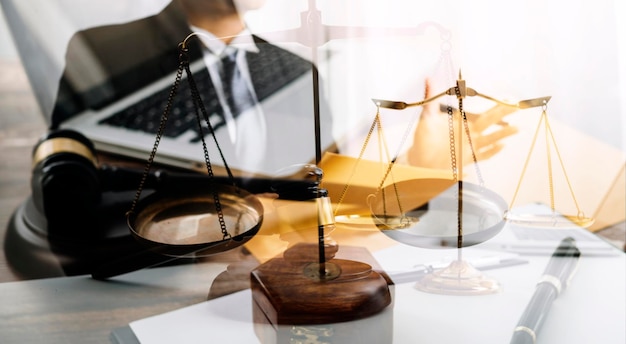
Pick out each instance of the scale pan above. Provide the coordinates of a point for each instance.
(438, 213)
(185, 223)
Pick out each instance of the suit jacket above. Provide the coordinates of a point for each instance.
(109, 62)
(106, 63)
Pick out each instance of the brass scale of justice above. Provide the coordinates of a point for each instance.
(391, 216)
(461, 91)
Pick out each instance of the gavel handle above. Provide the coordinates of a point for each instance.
(121, 178)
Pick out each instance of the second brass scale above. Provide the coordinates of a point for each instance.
(452, 213)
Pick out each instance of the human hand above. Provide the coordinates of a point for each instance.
(431, 141)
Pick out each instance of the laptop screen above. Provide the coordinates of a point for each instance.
(42, 29)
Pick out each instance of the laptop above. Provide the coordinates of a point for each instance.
(127, 125)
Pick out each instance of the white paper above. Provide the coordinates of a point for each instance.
(227, 319)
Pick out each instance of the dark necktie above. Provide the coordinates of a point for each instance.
(236, 92)
(249, 138)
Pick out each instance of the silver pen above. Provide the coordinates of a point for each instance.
(554, 280)
(482, 264)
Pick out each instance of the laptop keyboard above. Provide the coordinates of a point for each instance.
(146, 114)
(269, 76)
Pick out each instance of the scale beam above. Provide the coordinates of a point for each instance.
(461, 91)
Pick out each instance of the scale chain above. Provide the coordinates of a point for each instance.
(160, 130)
(199, 107)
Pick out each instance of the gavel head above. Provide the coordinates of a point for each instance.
(65, 182)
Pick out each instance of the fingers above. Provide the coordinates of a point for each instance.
(494, 137)
(486, 146)
(492, 116)
(431, 144)
(480, 122)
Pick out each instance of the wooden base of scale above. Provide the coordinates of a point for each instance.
(290, 291)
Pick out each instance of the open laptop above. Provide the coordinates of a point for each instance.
(127, 126)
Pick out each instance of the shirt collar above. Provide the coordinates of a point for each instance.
(243, 41)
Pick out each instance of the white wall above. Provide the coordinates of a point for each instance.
(514, 50)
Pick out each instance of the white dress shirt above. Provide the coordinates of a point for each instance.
(248, 131)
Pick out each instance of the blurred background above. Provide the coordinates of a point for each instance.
(511, 50)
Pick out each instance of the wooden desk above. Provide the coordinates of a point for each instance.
(83, 310)
(21, 124)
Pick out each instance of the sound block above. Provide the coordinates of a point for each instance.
(285, 292)
(36, 249)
